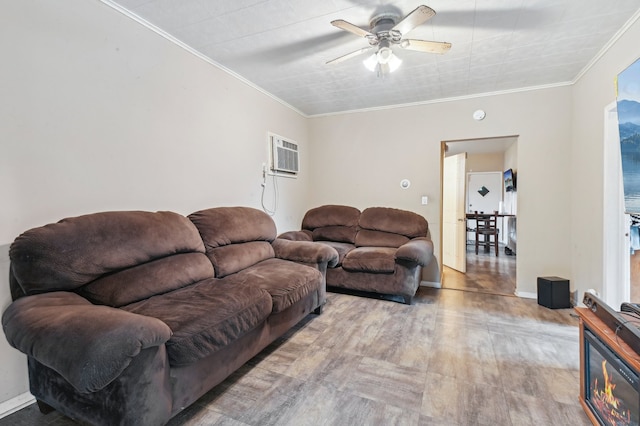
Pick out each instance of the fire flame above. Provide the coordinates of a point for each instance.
(606, 403)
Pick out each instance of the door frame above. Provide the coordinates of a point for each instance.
(443, 151)
(616, 287)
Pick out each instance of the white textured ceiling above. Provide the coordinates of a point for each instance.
(281, 46)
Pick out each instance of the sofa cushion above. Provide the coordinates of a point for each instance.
(235, 237)
(341, 248)
(342, 234)
(75, 251)
(206, 316)
(370, 259)
(368, 238)
(395, 221)
(221, 226)
(332, 223)
(330, 215)
(287, 282)
(143, 281)
(236, 257)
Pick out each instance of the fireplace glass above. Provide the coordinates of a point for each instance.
(611, 386)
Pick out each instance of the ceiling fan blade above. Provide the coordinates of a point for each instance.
(426, 46)
(347, 26)
(418, 16)
(349, 55)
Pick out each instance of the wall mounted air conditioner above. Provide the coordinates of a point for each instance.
(284, 156)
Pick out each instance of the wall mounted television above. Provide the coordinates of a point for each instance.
(509, 180)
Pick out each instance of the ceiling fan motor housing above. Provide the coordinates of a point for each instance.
(381, 27)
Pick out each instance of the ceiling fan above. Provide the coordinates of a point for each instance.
(387, 30)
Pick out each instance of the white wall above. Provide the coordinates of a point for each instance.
(99, 113)
(361, 158)
(492, 162)
(591, 94)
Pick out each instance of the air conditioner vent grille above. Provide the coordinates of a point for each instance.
(290, 145)
(284, 156)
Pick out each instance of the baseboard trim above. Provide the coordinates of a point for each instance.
(431, 284)
(15, 404)
(526, 295)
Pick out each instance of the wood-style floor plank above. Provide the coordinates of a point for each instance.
(486, 273)
(452, 358)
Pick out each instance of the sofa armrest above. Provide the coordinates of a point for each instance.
(305, 252)
(417, 251)
(89, 345)
(303, 235)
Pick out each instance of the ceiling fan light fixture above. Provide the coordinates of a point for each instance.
(371, 63)
(384, 55)
(394, 63)
(383, 61)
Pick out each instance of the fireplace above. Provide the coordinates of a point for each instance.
(611, 387)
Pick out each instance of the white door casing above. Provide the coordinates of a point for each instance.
(616, 287)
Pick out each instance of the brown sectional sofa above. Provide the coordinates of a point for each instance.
(381, 250)
(128, 317)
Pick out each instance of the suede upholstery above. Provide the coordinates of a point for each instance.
(73, 252)
(230, 243)
(155, 277)
(128, 317)
(395, 221)
(380, 250)
(59, 320)
(370, 259)
(332, 223)
(302, 252)
(211, 314)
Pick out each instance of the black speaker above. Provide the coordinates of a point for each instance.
(553, 292)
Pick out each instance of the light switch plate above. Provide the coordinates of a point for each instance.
(425, 200)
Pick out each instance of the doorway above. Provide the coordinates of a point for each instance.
(485, 162)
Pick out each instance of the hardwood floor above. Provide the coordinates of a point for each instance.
(451, 358)
(486, 273)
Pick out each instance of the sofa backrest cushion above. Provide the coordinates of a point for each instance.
(235, 237)
(332, 223)
(99, 247)
(388, 227)
(368, 238)
(143, 281)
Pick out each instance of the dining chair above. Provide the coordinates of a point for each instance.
(487, 228)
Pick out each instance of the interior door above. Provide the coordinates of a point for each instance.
(454, 228)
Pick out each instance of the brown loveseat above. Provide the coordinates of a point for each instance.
(129, 317)
(381, 250)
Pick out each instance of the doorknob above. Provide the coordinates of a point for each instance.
(460, 220)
